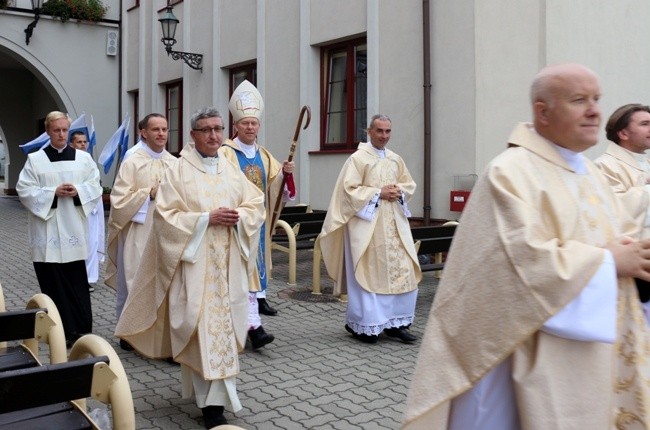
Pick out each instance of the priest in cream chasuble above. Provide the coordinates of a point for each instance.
(627, 168)
(190, 295)
(132, 203)
(529, 242)
(366, 239)
(536, 323)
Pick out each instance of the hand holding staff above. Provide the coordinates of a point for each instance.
(277, 209)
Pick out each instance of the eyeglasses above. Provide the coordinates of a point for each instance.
(208, 130)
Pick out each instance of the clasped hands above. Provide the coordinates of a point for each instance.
(390, 192)
(65, 190)
(632, 257)
(223, 216)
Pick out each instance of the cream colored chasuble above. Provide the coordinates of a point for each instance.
(528, 243)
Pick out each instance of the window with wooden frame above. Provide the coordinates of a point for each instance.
(343, 95)
(237, 76)
(174, 113)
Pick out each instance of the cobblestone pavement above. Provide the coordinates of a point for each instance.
(314, 376)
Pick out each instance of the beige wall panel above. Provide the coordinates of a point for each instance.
(131, 38)
(612, 39)
(336, 19)
(197, 84)
(324, 173)
(453, 99)
(282, 75)
(401, 86)
(238, 27)
(167, 69)
(506, 61)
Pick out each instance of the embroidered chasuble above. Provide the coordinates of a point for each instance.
(265, 172)
(190, 296)
(528, 242)
(627, 176)
(130, 206)
(383, 253)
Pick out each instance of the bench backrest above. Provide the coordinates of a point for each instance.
(428, 232)
(296, 218)
(18, 325)
(297, 209)
(47, 384)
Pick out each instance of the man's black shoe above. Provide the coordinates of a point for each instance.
(171, 360)
(213, 416)
(401, 333)
(125, 345)
(259, 337)
(265, 308)
(365, 338)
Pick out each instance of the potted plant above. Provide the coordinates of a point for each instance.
(84, 10)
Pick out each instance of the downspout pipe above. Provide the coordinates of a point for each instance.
(426, 23)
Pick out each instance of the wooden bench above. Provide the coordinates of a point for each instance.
(53, 396)
(295, 209)
(38, 323)
(36, 395)
(297, 231)
(429, 240)
(433, 240)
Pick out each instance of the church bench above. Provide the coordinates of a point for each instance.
(38, 323)
(296, 218)
(428, 240)
(19, 325)
(433, 240)
(53, 396)
(296, 209)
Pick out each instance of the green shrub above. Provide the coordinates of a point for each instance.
(85, 10)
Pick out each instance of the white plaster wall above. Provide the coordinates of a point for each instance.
(166, 69)
(238, 24)
(453, 76)
(197, 85)
(400, 85)
(506, 61)
(612, 39)
(337, 19)
(281, 71)
(131, 48)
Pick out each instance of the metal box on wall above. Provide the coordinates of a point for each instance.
(459, 196)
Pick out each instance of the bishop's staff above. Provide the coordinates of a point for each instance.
(294, 142)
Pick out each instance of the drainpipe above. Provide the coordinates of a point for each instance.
(426, 23)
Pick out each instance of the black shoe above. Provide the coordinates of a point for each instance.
(259, 337)
(91, 288)
(265, 308)
(401, 333)
(213, 416)
(171, 360)
(125, 345)
(365, 338)
(71, 339)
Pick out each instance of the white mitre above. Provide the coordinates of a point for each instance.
(246, 102)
